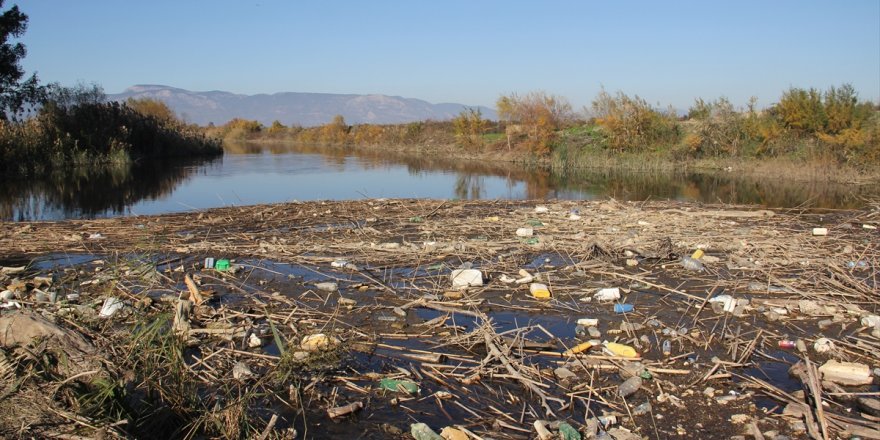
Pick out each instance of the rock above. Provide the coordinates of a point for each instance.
(241, 371)
(21, 328)
(318, 342)
(254, 341)
(466, 278)
(846, 373)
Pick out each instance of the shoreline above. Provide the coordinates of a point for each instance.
(236, 352)
(778, 168)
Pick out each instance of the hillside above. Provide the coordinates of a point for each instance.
(306, 109)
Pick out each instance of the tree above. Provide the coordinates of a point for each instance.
(153, 108)
(14, 95)
(469, 126)
(537, 115)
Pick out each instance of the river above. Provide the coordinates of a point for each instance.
(254, 174)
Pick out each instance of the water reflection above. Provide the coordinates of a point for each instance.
(86, 192)
(251, 174)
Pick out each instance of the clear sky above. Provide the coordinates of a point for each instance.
(468, 51)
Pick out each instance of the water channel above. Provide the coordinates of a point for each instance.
(254, 174)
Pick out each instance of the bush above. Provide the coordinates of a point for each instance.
(534, 118)
(630, 124)
(469, 126)
(76, 126)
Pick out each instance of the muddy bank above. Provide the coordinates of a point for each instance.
(361, 319)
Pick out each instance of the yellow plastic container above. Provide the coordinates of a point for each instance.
(621, 350)
(578, 348)
(697, 254)
(539, 291)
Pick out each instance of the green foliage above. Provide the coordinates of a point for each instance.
(469, 126)
(76, 126)
(630, 124)
(15, 94)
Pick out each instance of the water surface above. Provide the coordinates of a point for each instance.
(252, 175)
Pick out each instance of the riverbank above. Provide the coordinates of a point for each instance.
(562, 161)
(163, 346)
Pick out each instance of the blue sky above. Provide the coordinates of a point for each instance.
(468, 52)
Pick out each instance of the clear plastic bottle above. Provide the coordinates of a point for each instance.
(667, 347)
(629, 386)
(691, 263)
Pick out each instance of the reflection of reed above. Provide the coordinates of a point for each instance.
(541, 183)
(87, 192)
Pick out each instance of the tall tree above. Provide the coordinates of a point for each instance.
(14, 93)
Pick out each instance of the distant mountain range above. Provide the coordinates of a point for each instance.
(306, 109)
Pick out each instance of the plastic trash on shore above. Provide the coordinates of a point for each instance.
(621, 350)
(421, 431)
(461, 278)
(584, 346)
(525, 232)
(399, 385)
(607, 294)
(846, 373)
(111, 306)
(623, 308)
(450, 433)
(539, 291)
(691, 263)
(327, 286)
(819, 232)
(727, 303)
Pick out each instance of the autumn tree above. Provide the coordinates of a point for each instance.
(336, 131)
(153, 108)
(469, 126)
(276, 128)
(537, 116)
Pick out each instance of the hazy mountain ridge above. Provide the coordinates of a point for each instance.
(306, 109)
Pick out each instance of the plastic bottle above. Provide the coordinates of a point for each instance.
(580, 331)
(629, 386)
(691, 264)
(667, 347)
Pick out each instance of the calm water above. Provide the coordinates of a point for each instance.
(251, 175)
